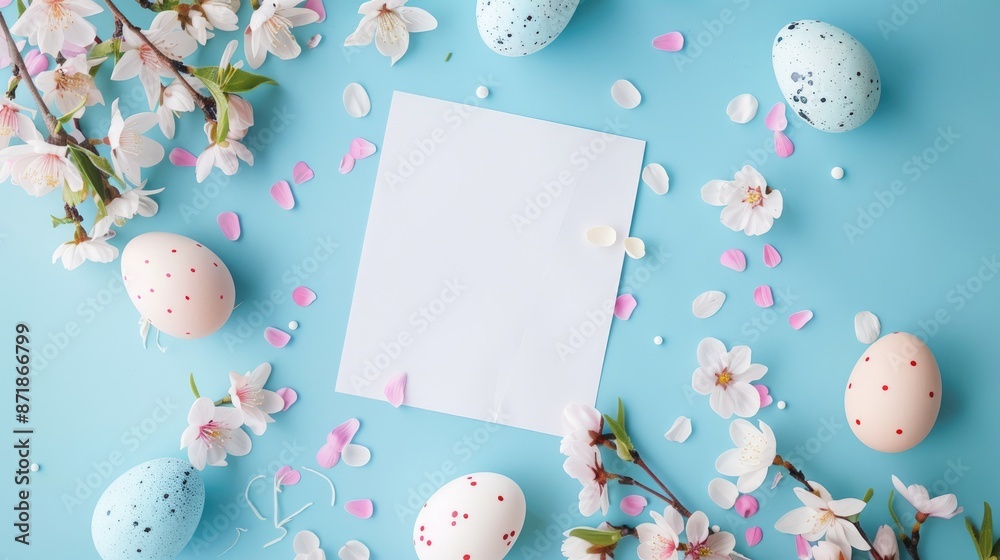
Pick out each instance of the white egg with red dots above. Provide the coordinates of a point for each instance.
(893, 396)
(478, 516)
(178, 284)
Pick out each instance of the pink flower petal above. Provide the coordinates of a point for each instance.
(340, 436)
(5, 3)
(230, 225)
(771, 256)
(347, 164)
(783, 145)
(288, 476)
(765, 396)
(327, 457)
(747, 506)
(734, 259)
(281, 192)
(302, 173)
(36, 62)
(288, 395)
(799, 319)
(776, 118)
(624, 306)
(317, 6)
(183, 158)
(68, 50)
(633, 505)
(276, 337)
(303, 296)
(763, 297)
(360, 508)
(754, 536)
(395, 390)
(802, 549)
(361, 148)
(670, 42)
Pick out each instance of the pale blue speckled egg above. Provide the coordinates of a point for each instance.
(829, 79)
(521, 27)
(150, 512)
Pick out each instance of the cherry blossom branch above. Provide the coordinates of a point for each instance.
(607, 440)
(629, 481)
(910, 543)
(57, 135)
(676, 503)
(203, 102)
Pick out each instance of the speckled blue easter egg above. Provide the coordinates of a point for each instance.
(521, 27)
(828, 77)
(150, 512)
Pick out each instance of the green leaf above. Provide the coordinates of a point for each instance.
(92, 166)
(56, 222)
(975, 537)
(20, 8)
(996, 549)
(221, 102)
(868, 495)
(621, 412)
(622, 441)
(105, 49)
(240, 81)
(194, 388)
(986, 533)
(597, 537)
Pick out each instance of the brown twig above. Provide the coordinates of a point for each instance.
(204, 103)
(676, 502)
(56, 134)
(911, 542)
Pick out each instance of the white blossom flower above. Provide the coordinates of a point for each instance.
(70, 85)
(126, 206)
(754, 454)
(39, 168)
(885, 544)
(389, 23)
(705, 546)
(580, 423)
(225, 155)
(750, 205)
(726, 376)
(253, 401)
(15, 121)
(174, 99)
(586, 466)
(50, 23)
(221, 14)
(945, 506)
(84, 248)
(822, 515)
(130, 150)
(240, 114)
(139, 59)
(270, 30)
(659, 540)
(828, 550)
(575, 548)
(213, 432)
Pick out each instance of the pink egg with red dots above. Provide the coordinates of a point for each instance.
(893, 396)
(178, 284)
(474, 517)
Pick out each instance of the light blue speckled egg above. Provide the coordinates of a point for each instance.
(150, 512)
(521, 27)
(829, 79)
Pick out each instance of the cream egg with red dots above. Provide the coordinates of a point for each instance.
(178, 284)
(474, 517)
(893, 396)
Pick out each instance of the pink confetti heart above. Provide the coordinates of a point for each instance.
(317, 6)
(747, 506)
(276, 337)
(347, 164)
(287, 476)
(763, 297)
(360, 508)
(799, 319)
(624, 306)
(734, 259)
(670, 42)
(302, 173)
(303, 296)
(183, 158)
(633, 505)
(771, 256)
(288, 396)
(783, 144)
(361, 148)
(754, 535)
(229, 223)
(281, 192)
(36, 62)
(775, 119)
(395, 390)
(765, 396)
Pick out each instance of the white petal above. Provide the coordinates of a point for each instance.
(708, 304)
(354, 550)
(635, 247)
(355, 455)
(799, 521)
(625, 94)
(417, 19)
(867, 327)
(602, 236)
(305, 542)
(717, 192)
(680, 431)
(356, 100)
(723, 493)
(655, 176)
(742, 109)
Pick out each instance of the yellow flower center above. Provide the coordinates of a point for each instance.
(723, 378)
(754, 197)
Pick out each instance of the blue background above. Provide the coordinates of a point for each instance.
(101, 403)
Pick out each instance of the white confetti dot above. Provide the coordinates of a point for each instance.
(781, 405)
(292, 325)
(837, 173)
(34, 467)
(657, 340)
(482, 92)
(716, 528)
